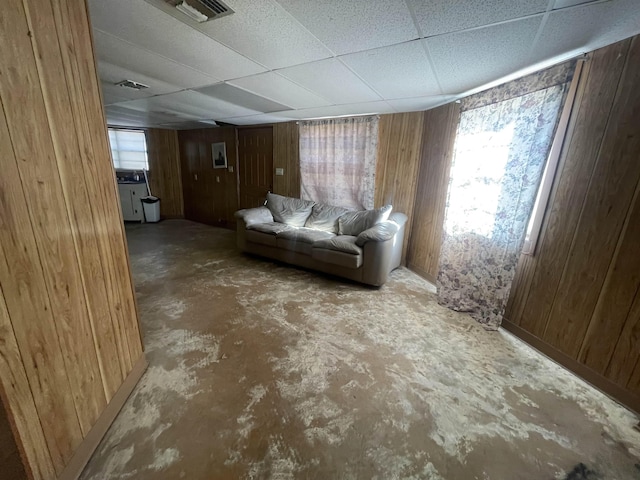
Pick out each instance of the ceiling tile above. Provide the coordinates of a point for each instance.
(189, 104)
(330, 79)
(280, 89)
(419, 103)
(397, 71)
(436, 17)
(254, 119)
(354, 25)
(237, 96)
(585, 28)
(126, 55)
(466, 60)
(149, 27)
(337, 110)
(273, 33)
(110, 74)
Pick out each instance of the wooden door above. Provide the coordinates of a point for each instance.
(255, 165)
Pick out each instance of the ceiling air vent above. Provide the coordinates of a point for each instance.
(132, 84)
(201, 10)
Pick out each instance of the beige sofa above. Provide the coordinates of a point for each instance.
(364, 246)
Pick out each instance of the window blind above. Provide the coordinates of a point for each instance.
(128, 149)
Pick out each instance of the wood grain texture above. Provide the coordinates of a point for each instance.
(255, 165)
(579, 294)
(440, 126)
(165, 178)
(399, 151)
(68, 317)
(586, 130)
(20, 411)
(10, 461)
(612, 186)
(206, 199)
(286, 155)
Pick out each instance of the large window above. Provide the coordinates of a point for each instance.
(128, 149)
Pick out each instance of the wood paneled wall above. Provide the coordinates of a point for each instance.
(210, 195)
(440, 126)
(10, 461)
(399, 151)
(286, 151)
(68, 319)
(165, 178)
(578, 297)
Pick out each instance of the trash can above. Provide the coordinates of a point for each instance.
(151, 207)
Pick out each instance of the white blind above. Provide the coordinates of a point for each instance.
(128, 149)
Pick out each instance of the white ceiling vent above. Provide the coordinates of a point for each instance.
(132, 84)
(201, 10)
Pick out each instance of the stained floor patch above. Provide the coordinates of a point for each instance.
(260, 370)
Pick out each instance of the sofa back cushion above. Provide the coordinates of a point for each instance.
(354, 223)
(325, 217)
(291, 211)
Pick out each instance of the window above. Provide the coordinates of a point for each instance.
(128, 149)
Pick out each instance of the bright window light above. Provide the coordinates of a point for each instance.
(128, 149)
(476, 177)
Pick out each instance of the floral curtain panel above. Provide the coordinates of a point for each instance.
(499, 157)
(338, 161)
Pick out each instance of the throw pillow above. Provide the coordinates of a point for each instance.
(354, 223)
(325, 217)
(291, 211)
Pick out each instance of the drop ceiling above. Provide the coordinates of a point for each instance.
(280, 60)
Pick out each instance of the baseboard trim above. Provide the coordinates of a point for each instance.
(84, 451)
(606, 386)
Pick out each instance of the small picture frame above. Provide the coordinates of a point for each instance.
(219, 154)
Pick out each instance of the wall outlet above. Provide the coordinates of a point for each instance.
(195, 176)
(279, 171)
(217, 179)
(230, 168)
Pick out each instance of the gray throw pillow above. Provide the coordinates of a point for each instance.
(291, 211)
(325, 217)
(354, 223)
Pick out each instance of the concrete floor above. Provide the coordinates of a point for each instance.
(259, 370)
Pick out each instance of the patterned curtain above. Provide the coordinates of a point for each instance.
(499, 157)
(338, 161)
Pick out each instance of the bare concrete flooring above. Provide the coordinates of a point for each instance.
(259, 370)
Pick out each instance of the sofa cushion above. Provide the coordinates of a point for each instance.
(261, 238)
(341, 243)
(292, 211)
(293, 245)
(325, 217)
(353, 223)
(336, 257)
(378, 233)
(269, 227)
(305, 235)
(254, 215)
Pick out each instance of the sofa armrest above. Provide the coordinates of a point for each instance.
(378, 233)
(254, 215)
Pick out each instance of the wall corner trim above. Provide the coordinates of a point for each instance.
(85, 450)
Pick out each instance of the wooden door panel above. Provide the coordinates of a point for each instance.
(255, 165)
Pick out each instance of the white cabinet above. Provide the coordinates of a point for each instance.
(130, 195)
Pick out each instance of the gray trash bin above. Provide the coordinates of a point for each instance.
(151, 207)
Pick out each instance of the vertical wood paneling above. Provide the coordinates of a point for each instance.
(399, 150)
(68, 320)
(210, 194)
(10, 461)
(255, 164)
(611, 189)
(578, 297)
(578, 158)
(286, 155)
(78, 202)
(440, 126)
(165, 178)
(17, 398)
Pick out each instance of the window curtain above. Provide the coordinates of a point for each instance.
(338, 161)
(128, 149)
(500, 152)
